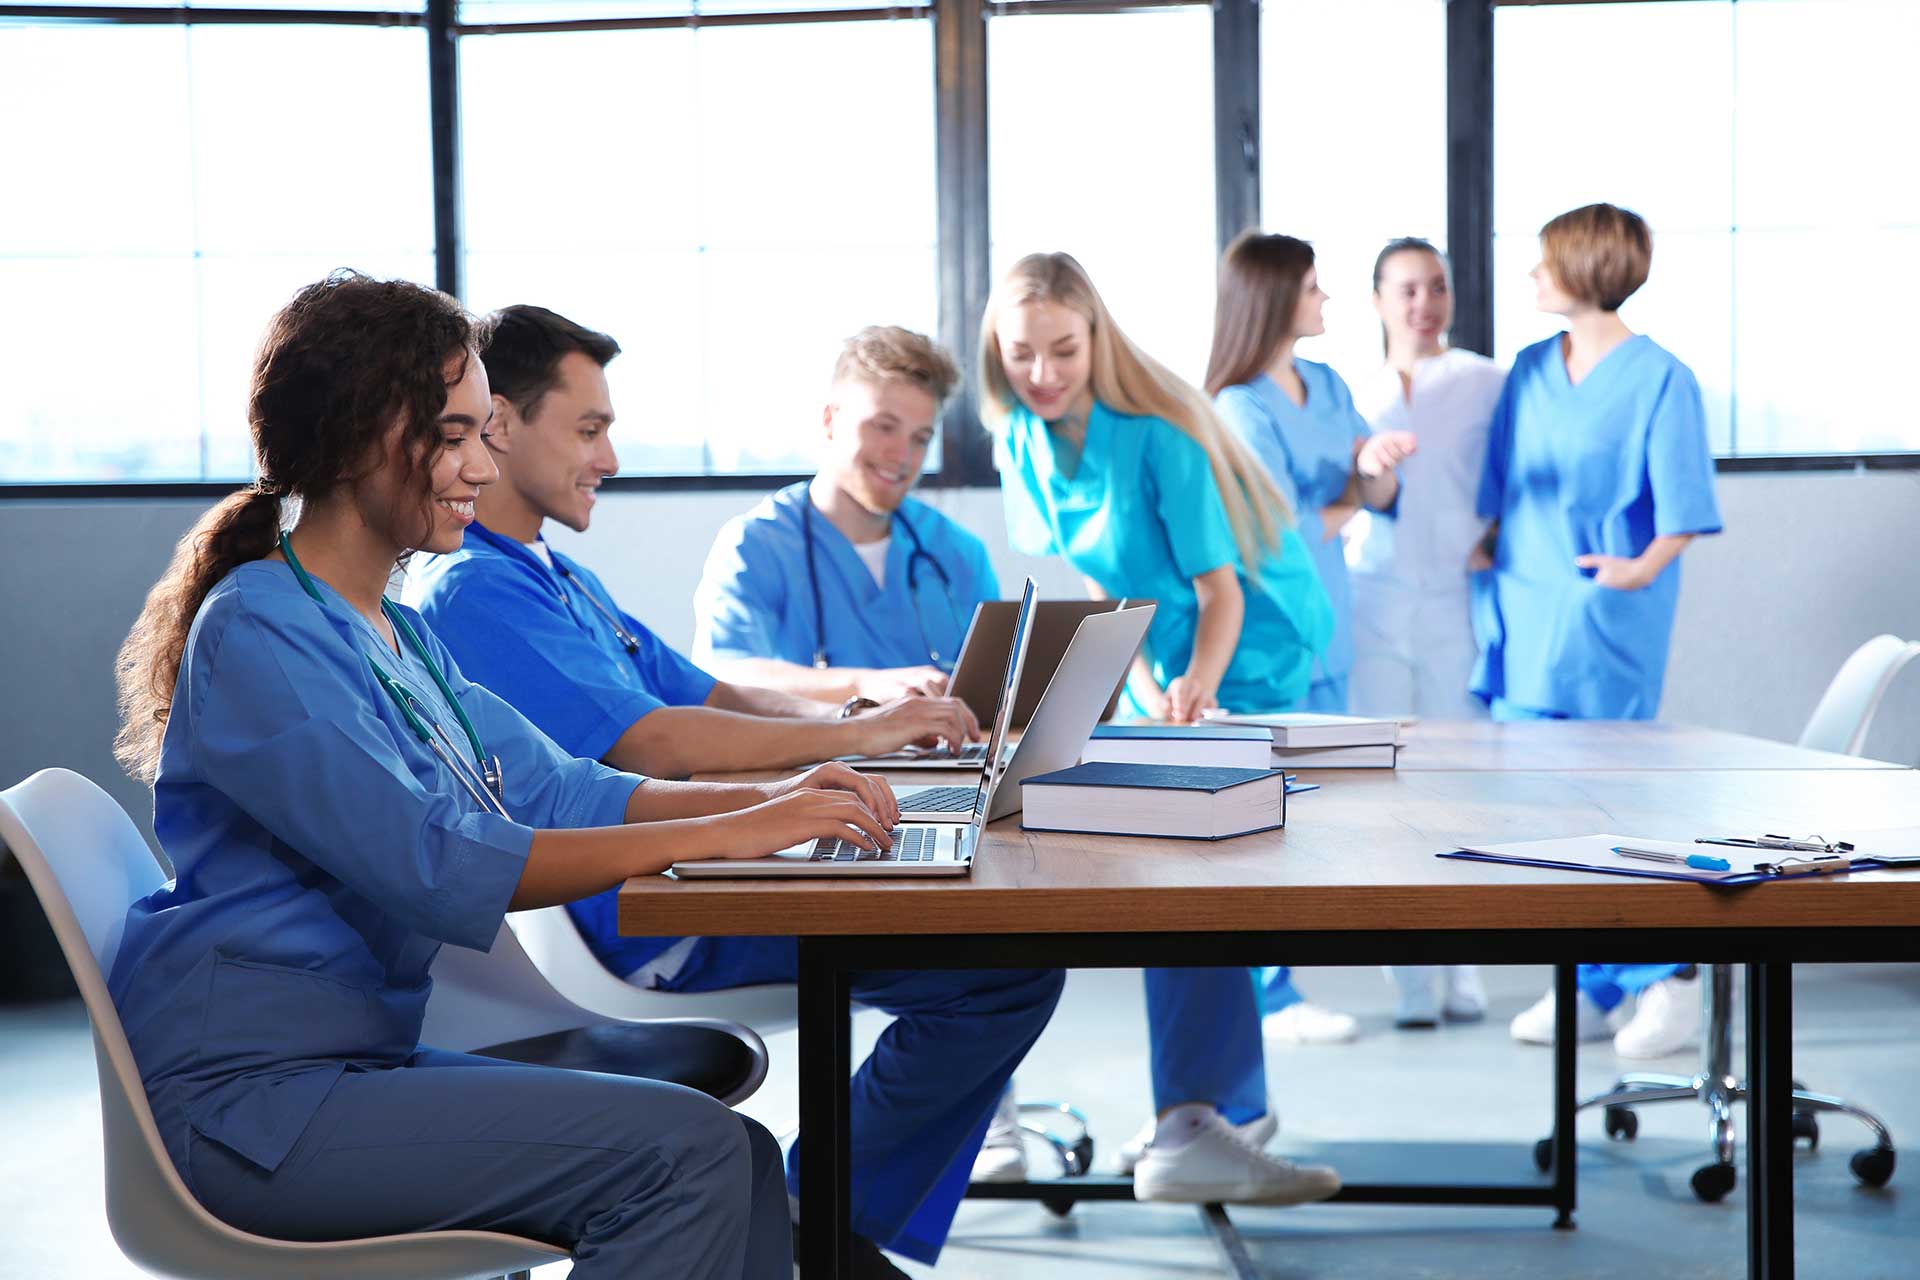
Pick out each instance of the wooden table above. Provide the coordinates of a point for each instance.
(1353, 880)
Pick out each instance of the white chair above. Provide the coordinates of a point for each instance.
(1846, 710)
(88, 864)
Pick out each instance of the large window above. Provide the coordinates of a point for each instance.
(1763, 141)
(728, 202)
(1100, 143)
(1353, 141)
(168, 188)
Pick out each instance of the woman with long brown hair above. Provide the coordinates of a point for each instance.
(338, 802)
(1298, 417)
(1112, 462)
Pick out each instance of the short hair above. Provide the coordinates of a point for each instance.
(522, 347)
(1599, 253)
(883, 352)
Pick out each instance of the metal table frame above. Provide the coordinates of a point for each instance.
(826, 964)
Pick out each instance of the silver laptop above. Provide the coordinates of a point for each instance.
(1062, 722)
(919, 849)
(972, 755)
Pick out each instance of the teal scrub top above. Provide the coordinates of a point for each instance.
(1308, 449)
(1142, 516)
(1604, 468)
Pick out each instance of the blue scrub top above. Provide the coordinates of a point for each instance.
(1309, 452)
(1142, 516)
(756, 596)
(525, 632)
(321, 857)
(1599, 468)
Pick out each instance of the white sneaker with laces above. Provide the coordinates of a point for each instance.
(1259, 1131)
(1535, 1025)
(1466, 999)
(1308, 1023)
(1666, 1019)
(1199, 1158)
(1003, 1156)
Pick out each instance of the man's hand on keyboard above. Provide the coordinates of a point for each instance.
(917, 721)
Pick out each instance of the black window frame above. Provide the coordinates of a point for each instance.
(959, 50)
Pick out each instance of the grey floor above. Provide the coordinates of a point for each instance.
(1857, 1034)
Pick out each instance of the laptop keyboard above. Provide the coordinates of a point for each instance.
(968, 751)
(910, 844)
(945, 799)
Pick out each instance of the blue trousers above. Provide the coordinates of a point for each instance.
(922, 1099)
(1604, 984)
(635, 1177)
(1203, 1037)
(1327, 695)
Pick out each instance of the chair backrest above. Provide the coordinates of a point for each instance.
(1845, 713)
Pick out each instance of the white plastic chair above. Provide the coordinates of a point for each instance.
(1846, 710)
(88, 864)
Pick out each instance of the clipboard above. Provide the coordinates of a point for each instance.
(1595, 854)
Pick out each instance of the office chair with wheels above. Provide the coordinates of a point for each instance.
(88, 864)
(1845, 712)
(1838, 724)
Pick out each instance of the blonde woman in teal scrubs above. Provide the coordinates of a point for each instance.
(1111, 461)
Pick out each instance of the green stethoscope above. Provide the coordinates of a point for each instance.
(482, 777)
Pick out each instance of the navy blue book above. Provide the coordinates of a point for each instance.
(1231, 746)
(1184, 802)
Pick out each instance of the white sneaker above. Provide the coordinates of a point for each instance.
(1003, 1156)
(1466, 995)
(1666, 1019)
(1535, 1026)
(1198, 1158)
(1308, 1023)
(1418, 1006)
(1259, 1131)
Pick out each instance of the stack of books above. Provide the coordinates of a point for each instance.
(1214, 744)
(1308, 740)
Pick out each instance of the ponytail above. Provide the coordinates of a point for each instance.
(242, 527)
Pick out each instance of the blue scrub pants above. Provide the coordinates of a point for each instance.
(1326, 695)
(1203, 1036)
(635, 1177)
(1604, 984)
(922, 1099)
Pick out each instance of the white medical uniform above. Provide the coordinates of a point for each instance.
(1413, 639)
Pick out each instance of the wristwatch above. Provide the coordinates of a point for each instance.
(855, 705)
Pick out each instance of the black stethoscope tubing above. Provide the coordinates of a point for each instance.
(620, 633)
(914, 557)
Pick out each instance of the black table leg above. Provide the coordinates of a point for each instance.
(1770, 1121)
(826, 1062)
(1566, 1045)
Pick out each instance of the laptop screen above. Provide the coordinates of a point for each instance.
(1003, 709)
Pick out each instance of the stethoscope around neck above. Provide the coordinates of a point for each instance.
(627, 639)
(915, 558)
(481, 777)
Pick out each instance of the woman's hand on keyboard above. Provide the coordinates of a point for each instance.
(917, 721)
(872, 792)
(803, 815)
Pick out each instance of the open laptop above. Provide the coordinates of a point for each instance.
(1069, 708)
(919, 849)
(983, 654)
(974, 755)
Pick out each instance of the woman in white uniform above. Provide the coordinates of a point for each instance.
(1412, 633)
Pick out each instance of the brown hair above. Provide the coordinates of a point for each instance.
(338, 364)
(1598, 253)
(881, 352)
(1260, 281)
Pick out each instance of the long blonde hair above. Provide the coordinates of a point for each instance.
(1128, 380)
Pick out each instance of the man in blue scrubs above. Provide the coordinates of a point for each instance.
(843, 586)
(529, 625)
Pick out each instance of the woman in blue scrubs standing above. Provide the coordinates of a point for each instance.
(1109, 460)
(1298, 418)
(335, 798)
(1598, 475)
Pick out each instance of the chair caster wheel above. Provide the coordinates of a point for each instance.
(1543, 1155)
(1806, 1128)
(1873, 1166)
(1058, 1206)
(1622, 1125)
(1711, 1182)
